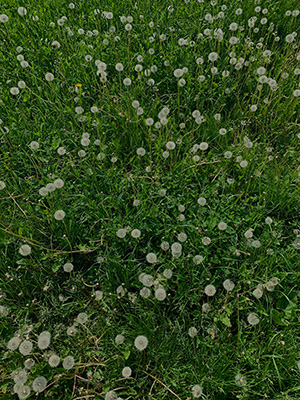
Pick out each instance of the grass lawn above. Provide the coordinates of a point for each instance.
(150, 200)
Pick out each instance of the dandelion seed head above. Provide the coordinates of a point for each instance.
(49, 77)
(82, 317)
(197, 391)
(44, 340)
(148, 280)
(25, 347)
(25, 250)
(59, 215)
(228, 285)
(151, 258)
(145, 292)
(253, 319)
(192, 331)
(13, 343)
(68, 362)
(39, 384)
(68, 267)
(119, 339)
(54, 361)
(126, 372)
(160, 294)
(210, 290)
(141, 342)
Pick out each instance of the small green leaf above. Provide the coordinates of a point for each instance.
(225, 319)
(278, 318)
(126, 354)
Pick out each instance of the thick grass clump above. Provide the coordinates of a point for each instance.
(149, 200)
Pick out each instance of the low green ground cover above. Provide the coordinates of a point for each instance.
(149, 200)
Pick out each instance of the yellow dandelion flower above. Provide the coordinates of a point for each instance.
(78, 85)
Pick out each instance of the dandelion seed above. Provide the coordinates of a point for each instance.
(167, 273)
(111, 395)
(119, 339)
(178, 73)
(82, 318)
(233, 26)
(20, 376)
(206, 241)
(240, 380)
(176, 248)
(25, 347)
(68, 267)
(213, 56)
(49, 77)
(120, 291)
(79, 110)
(50, 187)
(149, 121)
(22, 11)
(25, 250)
(34, 145)
(206, 307)
(22, 84)
(170, 145)
(227, 154)
(197, 391)
(151, 258)
(148, 280)
(296, 93)
(210, 290)
(121, 233)
(201, 201)
(141, 342)
(228, 285)
(258, 293)
(61, 151)
(119, 67)
(165, 246)
(253, 319)
(14, 91)
(256, 244)
(126, 372)
(136, 233)
(68, 362)
(248, 234)
(24, 392)
(54, 361)
(13, 343)
(127, 81)
(145, 292)
(192, 331)
(29, 363)
(71, 331)
(3, 18)
(44, 340)
(59, 215)
(198, 259)
(39, 384)
(160, 294)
